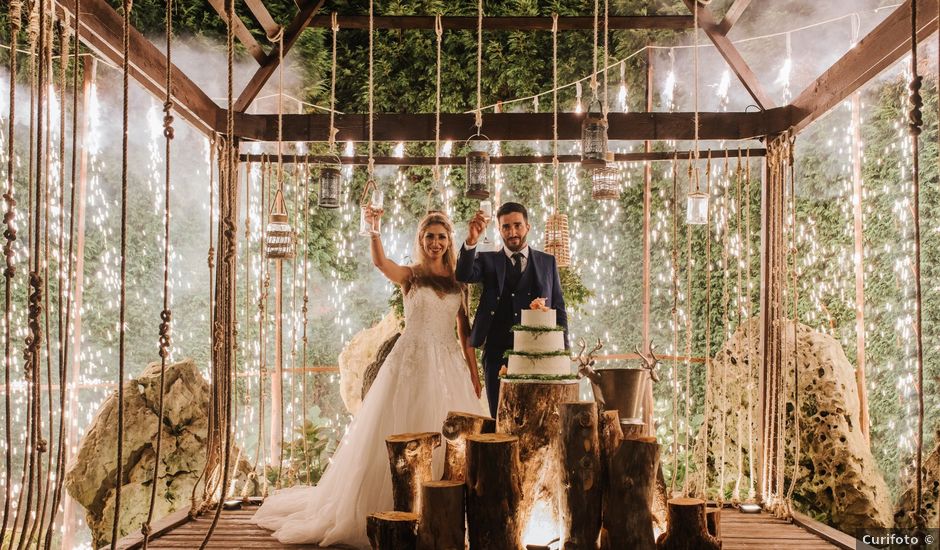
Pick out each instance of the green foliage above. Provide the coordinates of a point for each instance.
(308, 455)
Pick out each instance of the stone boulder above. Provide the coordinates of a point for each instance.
(90, 475)
(361, 352)
(903, 514)
(838, 477)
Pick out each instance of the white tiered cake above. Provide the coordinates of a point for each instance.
(538, 346)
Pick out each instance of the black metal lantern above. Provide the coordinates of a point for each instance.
(594, 139)
(279, 236)
(331, 179)
(605, 184)
(478, 167)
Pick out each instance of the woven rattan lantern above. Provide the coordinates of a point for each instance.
(331, 180)
(557, 239)
(279, 237)
(594, 139)
(605, 184)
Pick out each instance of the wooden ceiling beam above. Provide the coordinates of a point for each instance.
(291, 34)
(674, 22)
(882, 47)
(241, 32)
(503, 159)
(732, 15)
(271, 28)
(731, 55)
(512, 126)
(101, 31)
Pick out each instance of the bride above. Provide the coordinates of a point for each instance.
(424, 377)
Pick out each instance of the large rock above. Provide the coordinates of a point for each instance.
(903, 514)
(838, 477)
(90, 476)
(361, 352)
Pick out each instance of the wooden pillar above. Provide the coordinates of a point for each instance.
(442, 521)
(392, 530)
(409, 456)
(628, 517)
(859, 264)
(581, 477)
(457, 426)
(494, 492)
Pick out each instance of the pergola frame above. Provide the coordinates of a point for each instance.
(886, 44)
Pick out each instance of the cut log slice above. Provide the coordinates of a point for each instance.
(628, 515)
(457, 427)
(687, 528)
(633, 429)
(494, 492)
(409, 457)
(392, 530)
(581, 474)
(441, 526)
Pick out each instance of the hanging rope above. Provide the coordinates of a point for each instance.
(675, 323)
(166, 314)
(439, 34)
(9, 217)
(708, 321)
(304, 311)
(695, 119)
(554, 109)
(794, 255)
(371, 84)
(606, 106)
(742, 321)
(478, 114)
(688, 342)
(594, 54)
(725, 301)
(334, 26)
(915, 123)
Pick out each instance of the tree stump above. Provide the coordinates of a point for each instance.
(610, 437)
(494, 492)
(392, 530)
(457, 427)
(581, 476)
(409, 456)
(633, 429)
(687, 530)
(713, 521)
(628, 517)
(529, 410)
(659, 500)
(441, 526)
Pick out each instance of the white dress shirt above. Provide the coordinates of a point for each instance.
(509, 253)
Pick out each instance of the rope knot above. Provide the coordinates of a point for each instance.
(42, 445)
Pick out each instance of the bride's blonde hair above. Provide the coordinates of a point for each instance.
(421, 275)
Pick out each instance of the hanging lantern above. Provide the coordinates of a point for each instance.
(279, 237)
(697, 208)
(605, 184)
(557, 239)
(594, 139)
(478, 167)
(331, 179)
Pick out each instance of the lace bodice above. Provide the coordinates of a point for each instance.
(430, 314)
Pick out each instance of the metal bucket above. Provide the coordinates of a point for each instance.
(623, 390)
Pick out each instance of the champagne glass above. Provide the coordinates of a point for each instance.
(486, 207)
(376, 202)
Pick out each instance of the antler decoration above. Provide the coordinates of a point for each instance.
(586, 361)
(649, 359)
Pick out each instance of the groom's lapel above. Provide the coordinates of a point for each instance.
(535, 262)
(500, 259)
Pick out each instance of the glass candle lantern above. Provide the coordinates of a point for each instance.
(478, 175)
(605, 184)
(697, 208)
(279, 236)
(331, 180)
(594, 140)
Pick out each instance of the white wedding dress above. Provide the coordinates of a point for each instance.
(424, 377)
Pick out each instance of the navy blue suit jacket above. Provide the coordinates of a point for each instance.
(490, 269)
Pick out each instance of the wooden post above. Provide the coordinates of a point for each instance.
(457, 427)
(687, 530)
(529, 410)
(68, 505)
(581, 475)
(859, 265)
(647, 213)
(494, 492)
(409, 456)
(392, 530)
(628, 516)
(441, 525)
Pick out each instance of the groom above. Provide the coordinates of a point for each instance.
(512, 277)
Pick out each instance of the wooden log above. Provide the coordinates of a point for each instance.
(392, 530)
(529, 410)
(581, 475)
(409, 456)
(610, 437)
(713, 521)
(633, 429)
(494, 492)
(687, 530)
(441, 526)
(659, 501)
(457, 426)
(628, 516)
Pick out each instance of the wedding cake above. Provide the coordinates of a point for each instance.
(538, 344)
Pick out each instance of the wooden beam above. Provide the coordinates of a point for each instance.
(512, 126)
(101, 32)
(503, 159)
(732, 15)
(271, 28)
(731, 55)
(241, 32)
(671, 22)
(291, 34)
(878, 50)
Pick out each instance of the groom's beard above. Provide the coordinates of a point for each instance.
(515, 244)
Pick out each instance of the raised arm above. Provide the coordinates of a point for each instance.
(396, 273)
(469, 269)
